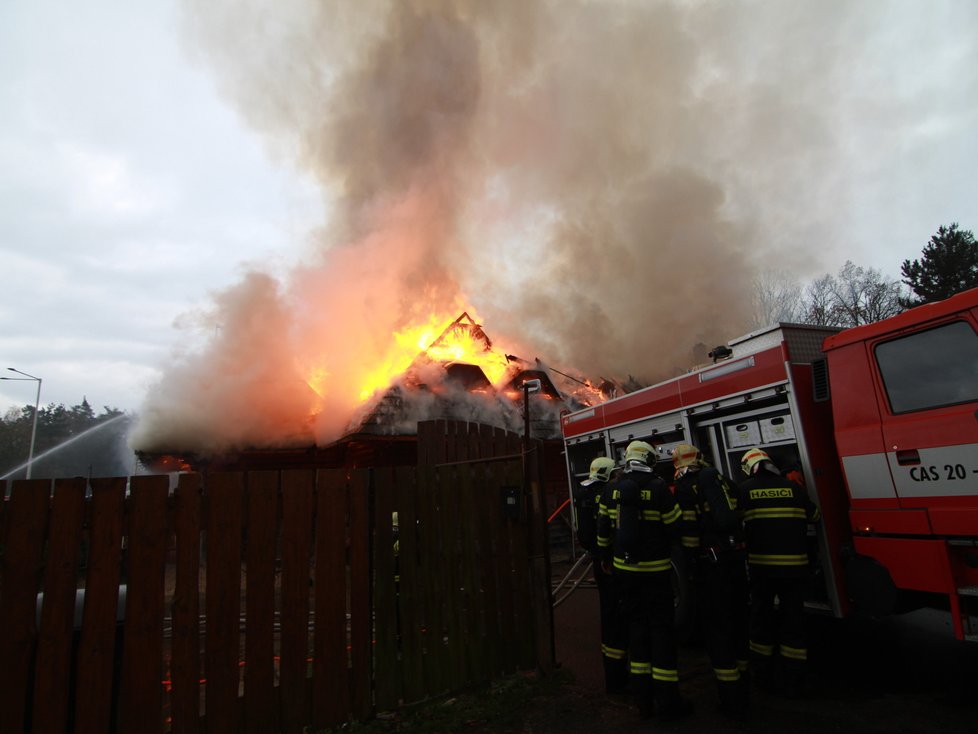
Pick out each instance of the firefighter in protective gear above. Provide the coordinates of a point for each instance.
(638, 527)
(587, 501)
(776, 513)
(713, 542)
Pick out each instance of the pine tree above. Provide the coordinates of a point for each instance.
(949, 265)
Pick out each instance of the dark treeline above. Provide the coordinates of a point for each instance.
(70, 442)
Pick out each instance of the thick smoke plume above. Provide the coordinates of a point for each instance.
(588, 176)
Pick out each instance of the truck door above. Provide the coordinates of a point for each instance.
(929, 415)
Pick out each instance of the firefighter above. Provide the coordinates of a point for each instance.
(713, 541)
(637, 530)
(776, 513)
(587, 501)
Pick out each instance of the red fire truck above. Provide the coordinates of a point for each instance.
(882, 422)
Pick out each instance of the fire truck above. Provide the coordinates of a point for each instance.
(882, 422)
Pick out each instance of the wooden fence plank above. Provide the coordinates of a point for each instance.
(487, 537)
(97, 668)
(53, 660)
(431, 581)
(20, 567)
(472, 439)
(410, 592)
(470, 517)
(450, 570)
(440, 445)
(360, 602)
(518, 532)
(439, 532)
(425, 437)
(539, 565)
(223, 511)
(297, 519)
(387, 665)
(331, 676)
(140, 696)
(500, 443)
(468, 579)
(185, 614)
(260, 554)
(451, 442)
(500, 477)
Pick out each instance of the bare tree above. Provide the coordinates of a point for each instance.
(776, 296)
(818, 306)
(856, 296)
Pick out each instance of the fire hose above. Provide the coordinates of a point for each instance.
(578, 573)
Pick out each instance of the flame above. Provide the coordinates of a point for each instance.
(169, 463)
(460, 345)
(404, 349)
(433, 338)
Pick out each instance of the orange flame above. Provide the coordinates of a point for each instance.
(434, 339)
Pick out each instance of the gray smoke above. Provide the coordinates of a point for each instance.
(599, 180)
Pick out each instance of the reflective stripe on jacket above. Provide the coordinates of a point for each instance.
(776, 513)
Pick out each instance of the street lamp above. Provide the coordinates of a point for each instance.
(37, 405)
(529, 387)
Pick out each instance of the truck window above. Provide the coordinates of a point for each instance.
(931, 368)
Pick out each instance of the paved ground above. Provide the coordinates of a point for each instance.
(905, 674)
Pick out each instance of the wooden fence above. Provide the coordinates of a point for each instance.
(265, 601)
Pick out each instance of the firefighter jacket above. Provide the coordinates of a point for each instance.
(639, 522)
(776, 513)
(710, 521)
(587, 503)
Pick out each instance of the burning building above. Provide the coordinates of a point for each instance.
(457, 376)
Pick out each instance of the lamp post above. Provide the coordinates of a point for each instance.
(37, 405)
(529, 387)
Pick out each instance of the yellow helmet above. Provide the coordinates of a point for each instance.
(639, 451)
(750, 460)
(601, 469)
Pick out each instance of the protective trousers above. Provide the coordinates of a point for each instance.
(652, 646)
(778, 631)
(721, 593)
(614, 632)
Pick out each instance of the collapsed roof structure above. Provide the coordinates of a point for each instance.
(458, 376)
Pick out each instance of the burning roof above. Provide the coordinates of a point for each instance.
(449, 371)
(461, 376)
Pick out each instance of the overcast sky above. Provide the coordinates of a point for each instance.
(130, 190)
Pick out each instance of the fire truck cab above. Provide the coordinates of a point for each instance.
(880, 420)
